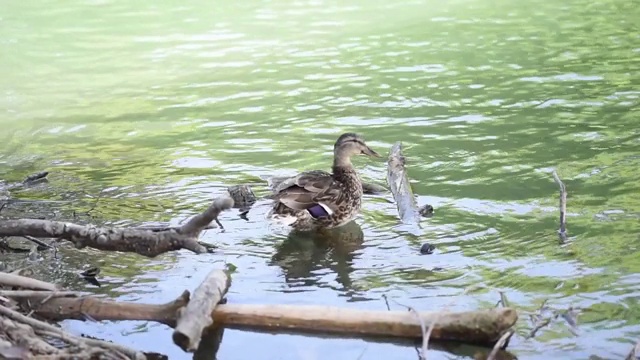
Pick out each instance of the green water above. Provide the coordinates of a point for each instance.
(156, 107)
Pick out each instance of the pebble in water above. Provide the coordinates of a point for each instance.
(427, 249)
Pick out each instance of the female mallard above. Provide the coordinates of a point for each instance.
(318, 199)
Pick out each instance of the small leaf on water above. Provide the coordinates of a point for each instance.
(231, 268)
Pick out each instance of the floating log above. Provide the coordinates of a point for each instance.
(196, 316)
(400, 187)
(144, 242)
(482, 327)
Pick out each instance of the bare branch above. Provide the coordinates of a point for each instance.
(562, 232)
(42, 326)
(143, 242)
(500, 344)
(195, 225)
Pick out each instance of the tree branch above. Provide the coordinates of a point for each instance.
(140, 241)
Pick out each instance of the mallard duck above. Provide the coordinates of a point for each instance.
(318, 199)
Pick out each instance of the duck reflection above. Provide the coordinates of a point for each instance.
(303, 255)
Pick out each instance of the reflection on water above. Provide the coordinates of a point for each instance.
(307, 258)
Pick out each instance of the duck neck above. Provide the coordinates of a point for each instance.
(342, 165)
(342, 161)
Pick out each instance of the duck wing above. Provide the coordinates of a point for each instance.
(309, 189)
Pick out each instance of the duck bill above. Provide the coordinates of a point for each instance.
(369, 152)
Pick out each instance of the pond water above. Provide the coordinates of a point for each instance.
(156, 107)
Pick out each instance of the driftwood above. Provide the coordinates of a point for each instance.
(196, 316)
(483, 327)
(14, 280)
(400, 187)
(143, 242)
(562, 231)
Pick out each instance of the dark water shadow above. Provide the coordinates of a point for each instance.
(302, 254)
(209, 343)
(212, 341)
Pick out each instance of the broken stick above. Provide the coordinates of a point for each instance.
(196, 316)
(143, 242)
(562, 231)
(400, 187)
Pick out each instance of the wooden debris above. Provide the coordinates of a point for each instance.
(501, 344)
(14, 280)
(484, 327)
(400, 187)
(634, 354)
(143, 242)
(562, 231)
(36, 293)
(50, 330)
(196, 315)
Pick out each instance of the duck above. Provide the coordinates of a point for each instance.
(317, 199)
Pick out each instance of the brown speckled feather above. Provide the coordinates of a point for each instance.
(320, 199)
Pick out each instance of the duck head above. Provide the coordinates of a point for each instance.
(351, 144)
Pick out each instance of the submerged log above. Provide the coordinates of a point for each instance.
(144, 242)
(398, 181)
(196, 316)
(482, 327)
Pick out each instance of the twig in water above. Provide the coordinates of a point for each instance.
(538, 327)
(501, 344)
(426, 333)
(88, 213)
(41, 245)
(562, 232)
(362, 353)
(570, 317)
(635, 352)
(386, 301)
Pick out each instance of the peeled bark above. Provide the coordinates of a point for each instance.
(196, 315)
